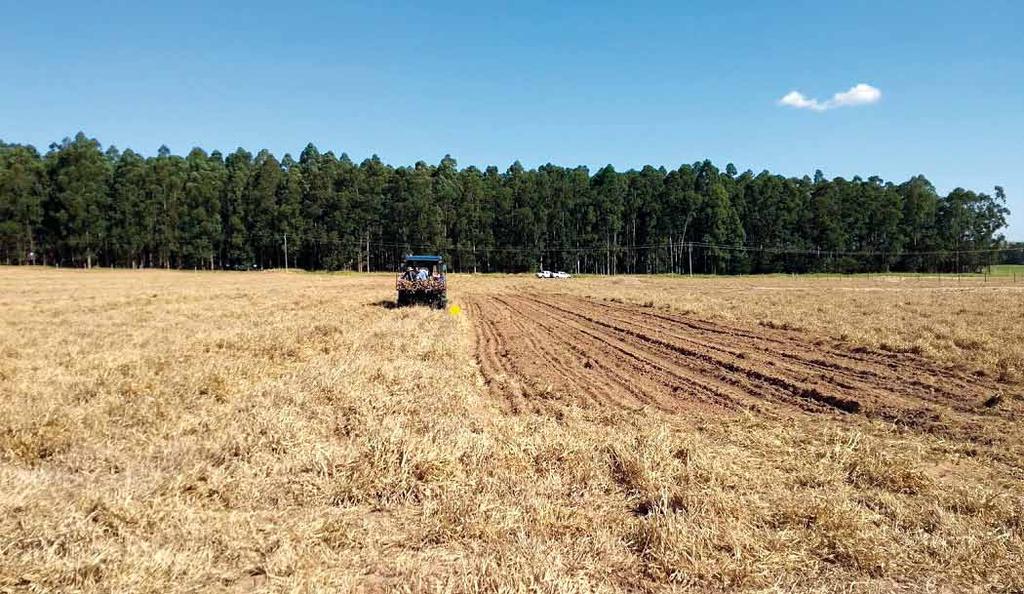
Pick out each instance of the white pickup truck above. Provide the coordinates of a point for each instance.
(549, 274)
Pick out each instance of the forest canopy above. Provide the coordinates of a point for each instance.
(82, 205)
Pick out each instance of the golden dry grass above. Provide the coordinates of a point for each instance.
(166, 431)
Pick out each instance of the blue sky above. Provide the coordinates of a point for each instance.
(586, 83)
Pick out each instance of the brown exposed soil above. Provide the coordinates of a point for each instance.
(542, 352)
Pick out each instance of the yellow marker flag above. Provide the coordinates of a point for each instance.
(455, 310)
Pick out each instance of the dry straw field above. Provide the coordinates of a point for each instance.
(182, 432)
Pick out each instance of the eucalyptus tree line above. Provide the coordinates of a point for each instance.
(79, 204)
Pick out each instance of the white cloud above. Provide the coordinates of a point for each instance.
(859, 94)
(796, 99)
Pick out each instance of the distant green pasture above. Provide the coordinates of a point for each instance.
(1007, 270)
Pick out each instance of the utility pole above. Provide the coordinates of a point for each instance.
(689, 245)
(286, 251)
(671, 255)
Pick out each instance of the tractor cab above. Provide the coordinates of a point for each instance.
(422, 279)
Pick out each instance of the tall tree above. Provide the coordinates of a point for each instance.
(23, 189)
(236, 250)
(263, 210)
(290, 223)
(717, 222)
(200, 223)
(609, 190)
(132, 215)
(77, 206)
(167, 177)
